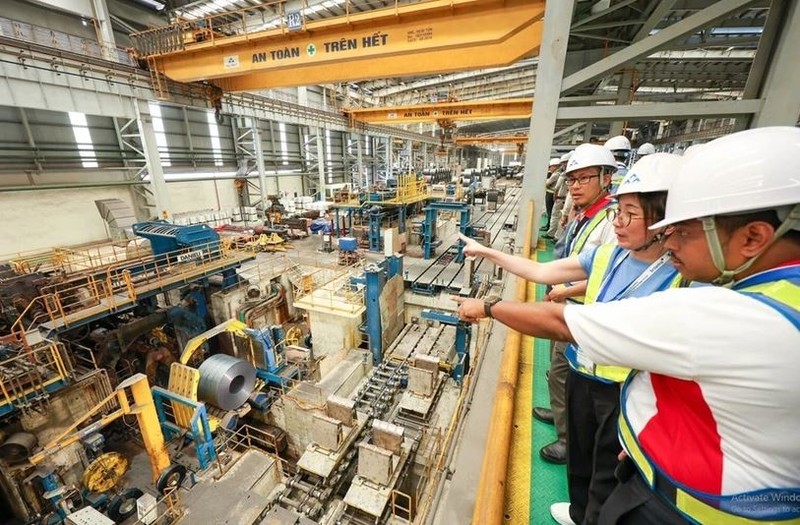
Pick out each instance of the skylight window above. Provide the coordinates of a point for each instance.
(284, 143)
(83, 139)
(216, 145)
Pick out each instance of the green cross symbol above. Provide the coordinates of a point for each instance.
(311, 50)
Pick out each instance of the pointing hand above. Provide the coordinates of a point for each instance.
(471, 246)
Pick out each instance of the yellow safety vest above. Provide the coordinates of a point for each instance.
(583, 236)
(784, 296)
(600, 267)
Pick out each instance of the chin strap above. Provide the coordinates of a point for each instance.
(659, 237)
(726, 276)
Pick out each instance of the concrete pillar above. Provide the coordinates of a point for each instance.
(624, 92)
(321, 162)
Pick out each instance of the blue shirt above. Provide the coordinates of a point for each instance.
(626, 272)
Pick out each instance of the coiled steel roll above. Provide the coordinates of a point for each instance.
(18, 447)
(225, 381)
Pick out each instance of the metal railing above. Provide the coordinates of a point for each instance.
(70, 260)
(268, 16)
(119, 284)
(28, 376)
(63, 41)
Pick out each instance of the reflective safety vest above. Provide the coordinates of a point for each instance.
(751, 508)
(601, 265)
(575, 245)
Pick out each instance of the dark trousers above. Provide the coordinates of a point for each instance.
(634, 503)
(549, 200)
(592, 445)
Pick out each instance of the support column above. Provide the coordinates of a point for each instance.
(158, 184)
(321, 163)
(375, 282)
(624, 92)
(780, 96)
(545, 107)
(258, 152)
(362, 179)
(105, 33)
(587, 132)
(388, 157)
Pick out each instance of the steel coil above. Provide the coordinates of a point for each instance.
(18, 447)
(225, 381)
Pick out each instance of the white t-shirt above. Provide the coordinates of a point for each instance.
(717, 404)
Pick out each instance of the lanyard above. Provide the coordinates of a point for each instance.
(636, 284)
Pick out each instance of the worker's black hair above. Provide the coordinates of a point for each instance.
(654, 205)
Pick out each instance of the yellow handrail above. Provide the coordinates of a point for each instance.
(491, 489)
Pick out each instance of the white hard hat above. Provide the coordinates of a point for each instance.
(587, 155)
(646, 149)
(751, 170)
(692, 150)
(555, 161)
(650, 174)
(620, 142)
(566, 156)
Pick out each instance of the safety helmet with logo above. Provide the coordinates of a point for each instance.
(748, 171)
(650, 174)
(588, 155)
(646, 149)
(555, 161)
(618, 143)
(565, 157)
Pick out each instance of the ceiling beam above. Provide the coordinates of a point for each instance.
(646, 46)
(666, 111)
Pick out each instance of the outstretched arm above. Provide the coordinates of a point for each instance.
(535, 319)
(555, 272)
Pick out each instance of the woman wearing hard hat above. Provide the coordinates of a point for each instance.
(637, 267)
(709, 422)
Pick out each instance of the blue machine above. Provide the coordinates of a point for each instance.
(180, 244)
(429, 227)
(375, 218)
(166, 238)
(375, 277)
(463, 336)
(276, 373)
(199, 426)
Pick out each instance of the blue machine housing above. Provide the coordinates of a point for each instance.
(166, 238)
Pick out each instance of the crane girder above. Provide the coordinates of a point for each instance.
(405, 40)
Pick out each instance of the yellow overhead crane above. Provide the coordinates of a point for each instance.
(426, 37)
(462, 110)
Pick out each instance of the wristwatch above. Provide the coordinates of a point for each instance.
(488, 303)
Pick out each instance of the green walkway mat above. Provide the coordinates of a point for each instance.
(548, 482)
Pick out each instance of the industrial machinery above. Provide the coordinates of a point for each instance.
(173, 243)
(348, 251)
(52, 500)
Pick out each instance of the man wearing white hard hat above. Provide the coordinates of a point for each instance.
(620, 147)
(710, 421)
(637, 267)
(550, 189)
(587, 177)
(559, 197)
(645, 149)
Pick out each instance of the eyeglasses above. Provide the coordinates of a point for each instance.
(612, 214)
(678, 233)
(583, 180)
